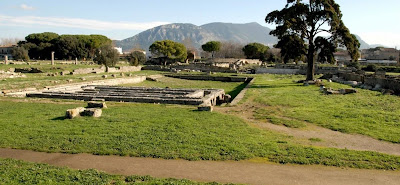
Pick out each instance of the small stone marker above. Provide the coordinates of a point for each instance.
(95, 104)
(72, 113)
(105, 76)
(52, 58)
(93, 112)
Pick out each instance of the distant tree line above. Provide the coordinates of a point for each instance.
(40, 45)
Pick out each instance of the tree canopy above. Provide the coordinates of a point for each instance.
(107, 55)
(292, 47)
(255, 51)
(212, 47)
(171, 50)
(136, 58)
(307, 20)
(40, 45)
(20, 53)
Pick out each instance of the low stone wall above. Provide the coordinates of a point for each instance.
(190, 67)
(240, 96)
(122, 69)
(74, 87)
(385, 83)
(210, 78)
(300, 70)
(279, 71)
(373, 81)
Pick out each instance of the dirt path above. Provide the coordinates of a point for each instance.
(329, 138)
(206, 171)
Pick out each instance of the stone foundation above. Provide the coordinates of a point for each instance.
(140, 94)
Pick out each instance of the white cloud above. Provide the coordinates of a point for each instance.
(388, 39)
(75, 23)
(26, 7)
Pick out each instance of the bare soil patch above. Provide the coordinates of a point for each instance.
(245, 172)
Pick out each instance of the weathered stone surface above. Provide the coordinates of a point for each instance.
(227, 98)
(95, 104)
(72, 113)
(93, 112)
(64, 73)
(347, 91)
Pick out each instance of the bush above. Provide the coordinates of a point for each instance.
(355, 65)
(136, 58)
(107, 56)
(370, 67)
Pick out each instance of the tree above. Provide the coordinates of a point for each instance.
(107, 56)
(136, 58)
(212, 47)
(255, 50)
(39, 45)
(20, 53)
(307, 20)
(170, 50)
(230, 49)
(292, 47)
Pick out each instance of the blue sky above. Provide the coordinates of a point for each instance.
(377, 22)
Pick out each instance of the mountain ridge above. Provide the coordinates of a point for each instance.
(197, 35)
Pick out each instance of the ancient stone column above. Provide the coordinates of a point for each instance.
(52, 58)
(5, 59)
(76, 61)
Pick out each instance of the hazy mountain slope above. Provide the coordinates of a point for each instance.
(242, 33)
(198, 35)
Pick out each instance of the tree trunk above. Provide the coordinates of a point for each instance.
(310, 62)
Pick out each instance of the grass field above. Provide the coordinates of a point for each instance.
(162, 131)
(366, 112)
(20, 172)
(40, 80)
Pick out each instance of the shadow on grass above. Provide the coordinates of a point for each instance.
(237, 90)
(61, 118)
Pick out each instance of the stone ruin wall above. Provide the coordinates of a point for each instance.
(190, 67)
(386, 82)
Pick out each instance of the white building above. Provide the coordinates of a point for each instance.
(119, 49)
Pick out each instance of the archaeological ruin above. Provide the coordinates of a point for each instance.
(209, 97)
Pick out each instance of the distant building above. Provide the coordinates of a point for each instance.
(119, 49)
(342, 56)
(6, 50)
(380, 53)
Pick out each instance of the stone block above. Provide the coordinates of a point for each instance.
(347, 91)
(72, 113)
(93, 112)
(95, 104)
(208, 108)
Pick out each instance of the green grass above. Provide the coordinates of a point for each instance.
(232, 88)
(20, 172)
(40, 80)
(366, 112)
(163, 131)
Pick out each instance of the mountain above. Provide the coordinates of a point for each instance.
(199, 35)
(363, 44)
